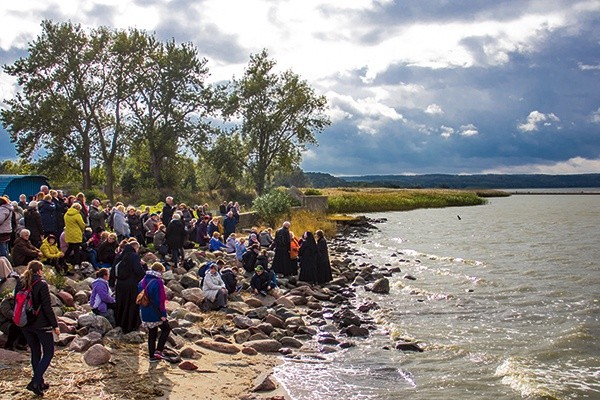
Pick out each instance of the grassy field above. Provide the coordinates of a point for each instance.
(355, 200)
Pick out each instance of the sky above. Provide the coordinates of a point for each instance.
(414, 87)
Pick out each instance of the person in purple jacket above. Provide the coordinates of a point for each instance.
(101, 299)
(154, 315)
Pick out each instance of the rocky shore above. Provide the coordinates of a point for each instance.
(228, 353)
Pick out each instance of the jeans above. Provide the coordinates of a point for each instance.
(4, 249)
(39, 341)
(165, 329)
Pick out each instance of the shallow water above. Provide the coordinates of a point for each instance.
(506, 304)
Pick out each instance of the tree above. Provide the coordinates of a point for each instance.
(53, 110)
(170, 103)
(280, 115)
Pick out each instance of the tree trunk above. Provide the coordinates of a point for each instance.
(156, 168)
(86, 168)
(110, 180)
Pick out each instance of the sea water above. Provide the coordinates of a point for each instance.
(506, 304)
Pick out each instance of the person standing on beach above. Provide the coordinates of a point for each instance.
(38, 332)
(308, 258)
(154, 315)
(281, 262)
(127, 272)
(323, 264)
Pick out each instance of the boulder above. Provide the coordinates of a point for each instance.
(258, 313)
(274, 321)
(115, 334)
(381, 286)
(86, 319)
(356, 331)
(243, 322)
(328, 340)
(219, 347)
(194, 317)
(80, 344)
(190, 353)
(409, 277)
(249, 351)
(189, 280)
(188, 366)
(134, 337)
(253, 302)
(100, 325)
(96, 355)
(290, 342)
(81, 297)
(193, 294)
(191, 307)
(66, 298)
(264, 346)
(408, 346)
(266, 385)
(171, 306)
(258, 336)
(175, 287)
(298, 300)
(64, 339)
(8, 356)
(359, 281)
(241, 336)
(294, 321)
(285, 302)
(265, 327)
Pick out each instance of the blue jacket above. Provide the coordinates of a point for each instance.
(156, 293)
(47, 212)
(215, 244)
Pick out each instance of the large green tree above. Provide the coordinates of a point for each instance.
(280, 115)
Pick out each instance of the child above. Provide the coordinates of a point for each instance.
(101, 299)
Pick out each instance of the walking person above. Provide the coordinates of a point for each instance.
(38, 332)
(154, 315)
(323, 265)
(127, 272)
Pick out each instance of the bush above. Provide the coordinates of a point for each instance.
(313, 192)
(272, 206)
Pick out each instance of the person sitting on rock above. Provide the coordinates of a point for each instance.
(23, 250)
(215, 242)
(263, 259)
(6, 270)
(229, 277)
(52, 254)
(249, 258)
(261, 283)
(214, 288)
(101, 299)
(266, 238)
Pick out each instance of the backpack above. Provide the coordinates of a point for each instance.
(24, 311)
(204, 268)
(189, 264)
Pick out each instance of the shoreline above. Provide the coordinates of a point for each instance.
(235, 350)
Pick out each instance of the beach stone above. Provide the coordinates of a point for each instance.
(313, 305)
(133, 337)
(64, 339)
(368, 306)
(408, 346)
(190, 353)
(80, 344)
(221, 339)
(359, 281)
(258, 336)
(194, 295)
(294, 321)
(64, 328)
(8, 356)
(249, 351)
(307, 330)
(94, 338)
(381, 286)
(264, 346)
(328, 328)
(100, 325)
(168, 276)
(258, 313)
(8, 286)
(346, 345)
(115, 334)
(96, 355)
(239, 307)
(328, 340)
(265, 327)
(340, 281)
(267, 385)
(191, 307)
(175, 287)
(81, 297)
(321, 296)
(66, 298)
(290, 342)
(253, 302)
(285, 302)
(327, 349)
(171, 306)
(194, 317)
(242, 322)
(189, 280)
(241, 336)
(219, 347)
(86, 319)
(267, 300)
(188, 366)
(298, 300)
(357, 331)
(409, 277)
(180, 313)
(346, 318)
(274, 321)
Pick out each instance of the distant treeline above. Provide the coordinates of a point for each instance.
(489, 181)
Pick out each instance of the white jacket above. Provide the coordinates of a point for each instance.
(212, 284)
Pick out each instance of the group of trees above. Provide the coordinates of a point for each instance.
(111, 106)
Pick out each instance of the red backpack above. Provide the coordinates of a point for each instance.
(24, 311)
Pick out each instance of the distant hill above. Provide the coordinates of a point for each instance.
(489, 181)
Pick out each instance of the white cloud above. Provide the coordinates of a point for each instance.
(446, 131)
(434, 109)
(575, 165)
(535, 118)
(468, 130)
(595, 117)
(587, 67)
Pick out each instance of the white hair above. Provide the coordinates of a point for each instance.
(24, 232)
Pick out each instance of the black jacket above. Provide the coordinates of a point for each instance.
(40, 296)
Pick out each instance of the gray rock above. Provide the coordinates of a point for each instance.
(243, 322)
(285, 302)
(97, 355)
(381, 286)
(275, 321)
(80, 344)
(190, 353)
(290, 342)
(115, 334)
(267, 385)
(241, 336)
(100, 325)
(356, 331)
(134, 337)
(294, 321)
(86, 319)
(193, 294)
(258, 313)
(408, 346)
(194, 317)
(264, 346)
(359, 281)
(64, 339)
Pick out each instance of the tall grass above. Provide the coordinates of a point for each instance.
(305, 220)
(375, 200)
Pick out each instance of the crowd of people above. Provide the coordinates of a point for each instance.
(129, 250)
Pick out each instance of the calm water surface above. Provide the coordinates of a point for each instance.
(506, 304)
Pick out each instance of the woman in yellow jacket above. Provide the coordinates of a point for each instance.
(52, 254)
(74, 228)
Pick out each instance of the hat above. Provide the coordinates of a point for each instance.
(258, 268)
(153, 214)
(206, 217)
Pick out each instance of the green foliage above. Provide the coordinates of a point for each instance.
(280, 115)
(398, 200)
(272, 206)
(313, 192)
(54, 279)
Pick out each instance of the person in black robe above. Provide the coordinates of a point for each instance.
(308, 258)
(175, 238)
(127, 272)
(281, 262)
(323, 264)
